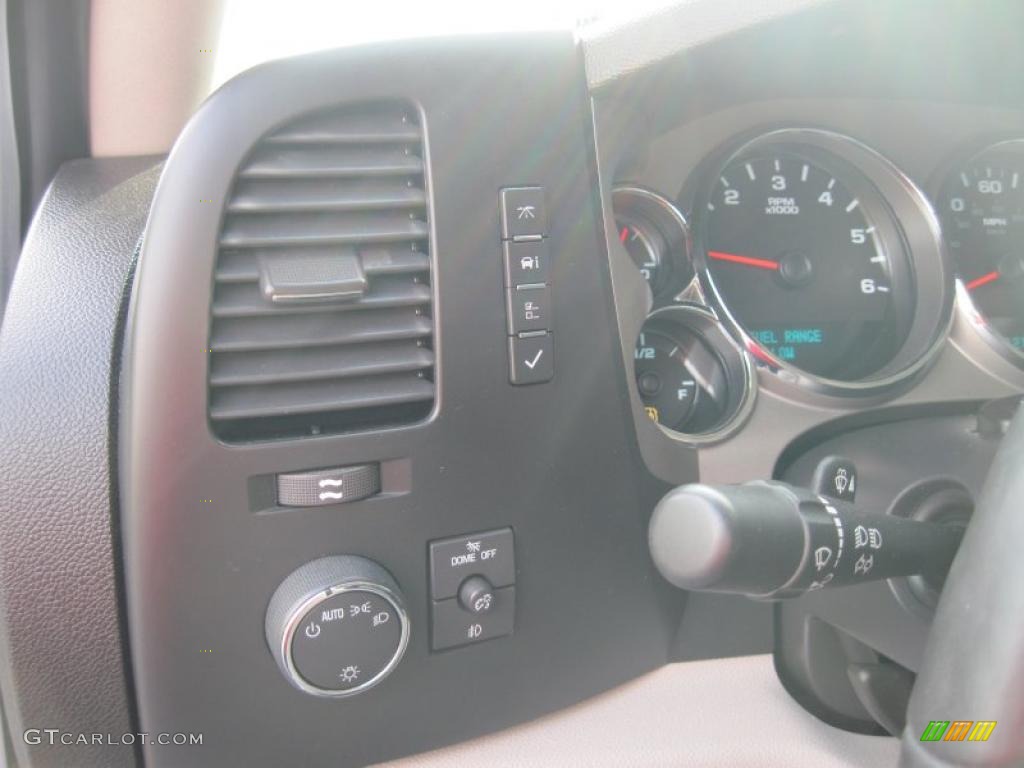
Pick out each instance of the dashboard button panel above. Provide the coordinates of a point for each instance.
(472, 588)
(526, 257)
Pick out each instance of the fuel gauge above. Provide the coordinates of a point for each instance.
(664, 378)
(691, 377)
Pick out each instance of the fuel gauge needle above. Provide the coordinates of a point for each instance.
(748, 261)
(983, 280)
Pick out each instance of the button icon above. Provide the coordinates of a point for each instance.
(312, 630)
(842, 481)
(836, 477)
(355, 610)
(822, 556)
(867, 537)
(483, 604)
(864, 565)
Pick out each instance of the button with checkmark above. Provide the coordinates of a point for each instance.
(531, 359)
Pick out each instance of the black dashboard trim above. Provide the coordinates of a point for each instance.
(199, 573)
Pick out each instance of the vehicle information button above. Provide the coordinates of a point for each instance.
(526, 262)
(490, 554)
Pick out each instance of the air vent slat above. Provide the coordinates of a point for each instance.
(255, 231)
(283, 195)
(391, 261)
(332, 199)
(323, 363)
(243, 266)
(394, 127)
(297, 331)
(317, 397)
(339, 162)
(245, 300)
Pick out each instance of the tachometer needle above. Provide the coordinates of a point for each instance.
(745, 260)
(983, 280)
(623, 234)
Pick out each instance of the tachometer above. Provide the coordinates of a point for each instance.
(807, 243)
(982, 205)
(793, 248)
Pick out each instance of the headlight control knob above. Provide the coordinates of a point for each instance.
(337, 626)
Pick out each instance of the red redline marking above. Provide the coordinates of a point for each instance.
(623, 235)
(748, 261)
(983, 280)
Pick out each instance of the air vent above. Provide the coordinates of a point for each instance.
(321, 318)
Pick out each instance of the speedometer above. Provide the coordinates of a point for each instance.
(806, 256)
(982, 204)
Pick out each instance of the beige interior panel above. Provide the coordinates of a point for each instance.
(726, 713)
(150, 63)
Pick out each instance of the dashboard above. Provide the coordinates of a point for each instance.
(379, 373)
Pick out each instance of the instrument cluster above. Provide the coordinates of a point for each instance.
(810, 256)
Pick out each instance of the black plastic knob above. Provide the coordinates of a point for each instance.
(476, 595)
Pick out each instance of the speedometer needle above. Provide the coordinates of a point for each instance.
(983, 280)
(745, 260)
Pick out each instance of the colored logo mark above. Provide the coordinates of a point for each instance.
(958, 730)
